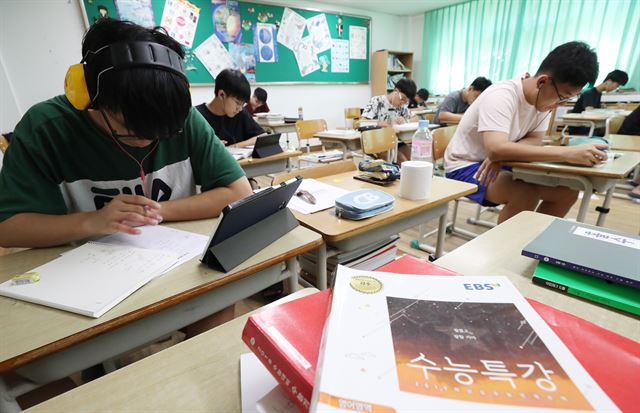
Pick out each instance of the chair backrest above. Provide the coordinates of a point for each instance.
(613, 124)
(352, 113)
(378, 140)
(4, 144)
(441, 138)
(318, 171)
(307, 128)
(552, 123)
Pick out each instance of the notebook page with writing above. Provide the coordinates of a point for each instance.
(185, 244)
(92, 278)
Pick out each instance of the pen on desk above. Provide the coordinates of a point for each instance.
(306, 196)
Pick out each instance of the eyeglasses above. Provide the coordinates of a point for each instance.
(560, 97)
(113, 131)
(239, 104)
(403, 97)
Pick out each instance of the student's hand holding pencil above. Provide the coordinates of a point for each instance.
(124, 213)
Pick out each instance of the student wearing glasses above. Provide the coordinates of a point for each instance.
(233, 125)
(507, 123)
(391, 109)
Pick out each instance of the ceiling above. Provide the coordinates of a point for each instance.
(397, 7)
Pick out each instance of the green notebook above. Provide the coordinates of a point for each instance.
(591, 288)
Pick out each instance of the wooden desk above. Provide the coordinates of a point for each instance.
(348, 235)
(423, 113)
(201, 374)
(592, 119)
(279, 127)
(405, 131)
(44, 344)
(601, 178)
(629, 143)
(348, 140)
(270, 165)
(498, 252)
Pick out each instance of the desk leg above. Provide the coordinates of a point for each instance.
(321, 267)
(344, 149)
(604, 209)
(288, 166)
(291, 285)
(586, 198)
(442, 229)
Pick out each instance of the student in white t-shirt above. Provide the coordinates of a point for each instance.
(507, 123)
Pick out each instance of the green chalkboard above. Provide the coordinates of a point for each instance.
(285, 69)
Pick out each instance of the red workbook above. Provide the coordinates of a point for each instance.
(286, 339)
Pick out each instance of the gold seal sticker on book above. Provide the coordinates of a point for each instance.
(365, 284)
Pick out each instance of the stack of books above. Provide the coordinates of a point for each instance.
(594, 263)
(368, 258)
(393, 79)
(270, 118)
(382, 351)
(323, 157)
(393, 63)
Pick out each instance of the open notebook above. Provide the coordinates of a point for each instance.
(92, 278)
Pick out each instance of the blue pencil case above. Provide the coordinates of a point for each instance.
(364, 203)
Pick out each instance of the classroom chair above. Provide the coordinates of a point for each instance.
(440, 141)
(305, 129)
(441, 138)
(552, 136)
(377, 141)
(613, 124)
(428, 116)
(353, 114)
(317, 171)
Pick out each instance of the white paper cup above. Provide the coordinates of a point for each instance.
(415, 180)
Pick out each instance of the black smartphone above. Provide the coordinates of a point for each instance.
(370, 180)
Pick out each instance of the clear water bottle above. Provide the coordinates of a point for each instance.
(300, 113)
(422, 143)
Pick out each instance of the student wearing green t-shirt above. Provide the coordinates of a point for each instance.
(140, 156)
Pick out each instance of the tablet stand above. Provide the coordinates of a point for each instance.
(229, 253)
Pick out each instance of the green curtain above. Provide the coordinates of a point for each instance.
(500, 39)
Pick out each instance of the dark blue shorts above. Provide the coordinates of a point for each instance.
(467, 174)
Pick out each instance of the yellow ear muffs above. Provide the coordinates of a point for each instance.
(75, 87)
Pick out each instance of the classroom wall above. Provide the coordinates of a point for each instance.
(8, 105)
(413, 42)
(40, 39)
